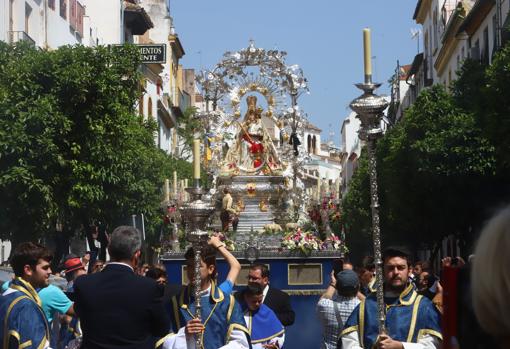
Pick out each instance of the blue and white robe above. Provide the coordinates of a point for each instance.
(23, 322)
(264, 327)
(410, 318)
(220, 314)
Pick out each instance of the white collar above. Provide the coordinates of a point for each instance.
(207, 292)
(266, 289)
(121, 263)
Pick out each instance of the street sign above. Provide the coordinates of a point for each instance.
(152, 53)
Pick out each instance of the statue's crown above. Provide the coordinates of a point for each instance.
(251, 101)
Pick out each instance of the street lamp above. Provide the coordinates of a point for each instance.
(369, 108)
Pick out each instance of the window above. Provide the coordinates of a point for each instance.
(435, 29)
(28, 12)
(140, 106)
(11, 16)
(51, 4)
(149, 107)
(494, 33)
(485, 46)
(80, 13)
(63, 9)
(309, 144)
(72, 14)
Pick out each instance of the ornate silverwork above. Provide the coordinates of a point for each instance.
(370, 108)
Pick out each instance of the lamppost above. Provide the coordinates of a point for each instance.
(369, 108)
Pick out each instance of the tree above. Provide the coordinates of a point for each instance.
(188, 127)
(356, 216)
(433, 163)
(73, 148)
(430, 167)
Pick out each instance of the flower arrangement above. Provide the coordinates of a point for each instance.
(303, 241)
(333, 242)
(272, 229)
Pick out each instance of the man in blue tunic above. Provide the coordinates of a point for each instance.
(412, 321)
(23, 322)
(221, 324)
(266, 331)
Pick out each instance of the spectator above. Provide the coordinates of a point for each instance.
(23, 321)
(85, 260)
(275, 299)
(491, 278)
(157, 274)
(70, 329)
(336, 305)
(118, 309)
(425, 281)
(347, 264)
(73, 268)
(98, 266)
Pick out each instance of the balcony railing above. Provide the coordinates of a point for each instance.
(17, 36)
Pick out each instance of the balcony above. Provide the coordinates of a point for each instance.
(17, 36)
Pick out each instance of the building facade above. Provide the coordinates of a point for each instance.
(454, 30)
(46, 24)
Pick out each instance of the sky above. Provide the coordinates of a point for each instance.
(324, 37)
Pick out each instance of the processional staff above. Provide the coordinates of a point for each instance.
(369, 108)
(196, 214)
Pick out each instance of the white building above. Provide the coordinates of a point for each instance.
(454, 30)
(351, 149)
(46, 24)
(324, 165)
(401, 97)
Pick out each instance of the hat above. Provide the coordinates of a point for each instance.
(347, 279)
(73, 264)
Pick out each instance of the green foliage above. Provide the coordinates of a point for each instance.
(356, 216)
(429, 167)
(496, 117)
(72, 146)
(189, 125)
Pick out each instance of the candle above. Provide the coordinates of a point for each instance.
(367, 53)
(167, 189)
(185, 186)
(196, 159)
(175, 184)
(337, 188)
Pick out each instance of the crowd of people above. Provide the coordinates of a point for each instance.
(123, 304)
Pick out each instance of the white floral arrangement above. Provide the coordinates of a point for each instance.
(272, 228)
(303, 241)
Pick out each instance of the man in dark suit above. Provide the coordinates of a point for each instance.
(275, 299)
(117, 308)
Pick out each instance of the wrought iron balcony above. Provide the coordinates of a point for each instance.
(17, 36)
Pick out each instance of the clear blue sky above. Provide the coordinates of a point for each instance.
(324, 37)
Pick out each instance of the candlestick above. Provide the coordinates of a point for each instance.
(167, 189)
(175, 184)
(196, 159)
(367, 54)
